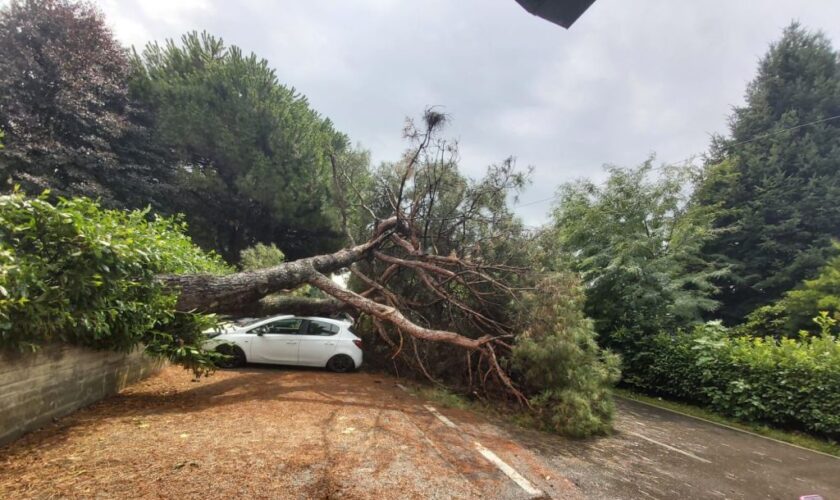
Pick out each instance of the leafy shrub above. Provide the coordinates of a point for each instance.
(819, 294)
(260, 256)
(559, 363)
(771, 319)
(75, 273)
(791, 383)
(794, 312)
(637, 242)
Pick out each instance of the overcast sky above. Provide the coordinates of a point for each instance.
(630, 78)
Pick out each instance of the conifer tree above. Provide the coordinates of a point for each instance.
(777, 177)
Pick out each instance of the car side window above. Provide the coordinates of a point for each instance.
(321, 328)
(284, 326)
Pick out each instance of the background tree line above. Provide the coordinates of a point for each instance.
(746, 240)
(193, 127)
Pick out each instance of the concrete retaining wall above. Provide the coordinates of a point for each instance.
(35, 388)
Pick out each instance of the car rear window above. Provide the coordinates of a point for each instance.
(321, 328)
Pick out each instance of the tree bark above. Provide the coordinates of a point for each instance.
(299, 306)
(393, 315)
(235, 293)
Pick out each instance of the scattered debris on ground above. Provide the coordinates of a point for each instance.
(255, 432)
(268, 432)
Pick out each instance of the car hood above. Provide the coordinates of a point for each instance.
(220, 330)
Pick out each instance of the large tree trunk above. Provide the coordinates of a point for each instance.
(241, 292)
(299, 306)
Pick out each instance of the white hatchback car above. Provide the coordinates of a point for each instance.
(289, 340)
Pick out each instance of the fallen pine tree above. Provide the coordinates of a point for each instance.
(441, 270)
(397, 243)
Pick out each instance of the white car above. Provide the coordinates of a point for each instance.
(289, 340)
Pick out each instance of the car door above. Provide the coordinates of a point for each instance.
(276, 342)
(317, 342)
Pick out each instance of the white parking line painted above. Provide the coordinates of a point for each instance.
(509, 471)
(686, 453)
(718, 424)
(440, 417)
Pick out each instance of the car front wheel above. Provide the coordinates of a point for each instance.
(341, 363)
(234, 357)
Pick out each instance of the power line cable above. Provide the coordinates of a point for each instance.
(771, 134)
(535, 202)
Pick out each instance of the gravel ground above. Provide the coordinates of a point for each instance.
(261, 433)
(266, 432)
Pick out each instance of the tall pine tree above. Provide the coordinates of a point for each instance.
(778, 181)
(252, 156)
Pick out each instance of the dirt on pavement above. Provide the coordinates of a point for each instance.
(656, 453)
(259, 433)
(267, 432)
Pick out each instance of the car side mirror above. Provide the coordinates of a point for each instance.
(260, 334)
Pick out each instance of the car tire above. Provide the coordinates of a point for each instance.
(341, 363)
(236, 359)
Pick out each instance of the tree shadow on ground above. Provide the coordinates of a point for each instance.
(222, 391)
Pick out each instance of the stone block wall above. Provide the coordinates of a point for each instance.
(38, 387)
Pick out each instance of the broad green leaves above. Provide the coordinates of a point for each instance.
(260, 256)
(819, 294)
(636, 241)
(76, 273)
(788, 382)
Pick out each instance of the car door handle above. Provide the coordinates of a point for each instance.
(292, 342)
(329, 343)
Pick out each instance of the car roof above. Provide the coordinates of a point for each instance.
(338, 322)
(332, 321)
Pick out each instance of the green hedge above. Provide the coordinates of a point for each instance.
(75, 273)
(790, 383)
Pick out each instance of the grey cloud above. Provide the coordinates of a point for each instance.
(628, 79)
